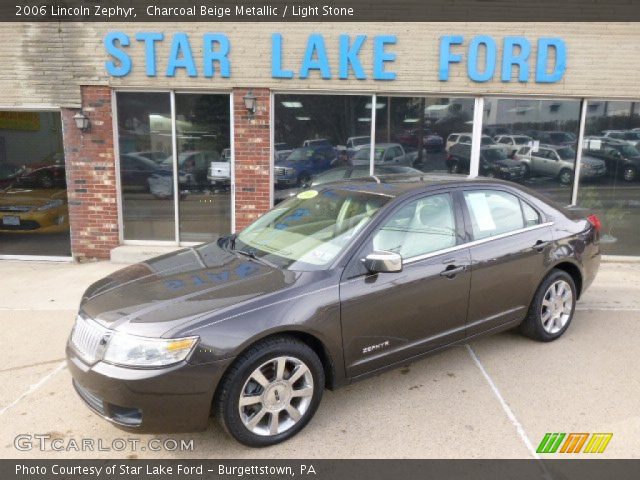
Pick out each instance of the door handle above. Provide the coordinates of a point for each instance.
(540, 245)
(452, 270)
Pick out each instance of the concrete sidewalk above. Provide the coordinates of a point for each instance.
(495, 398)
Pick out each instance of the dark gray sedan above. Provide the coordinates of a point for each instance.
(335, 284)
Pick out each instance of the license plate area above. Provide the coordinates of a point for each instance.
(11, 220)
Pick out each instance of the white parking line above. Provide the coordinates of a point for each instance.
(34, 387)
(503, 403)
(605, 308)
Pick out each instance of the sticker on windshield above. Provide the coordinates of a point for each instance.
(307, 194)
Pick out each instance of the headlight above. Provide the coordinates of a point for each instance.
(289, 171)
(133, 351)
(504, 169)
(50, 205)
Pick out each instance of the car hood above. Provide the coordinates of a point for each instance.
(153, 297)
(294, 165)
(592, 161)
(508, 162)
(27, 196)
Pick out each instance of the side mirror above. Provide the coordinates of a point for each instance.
(383, 262)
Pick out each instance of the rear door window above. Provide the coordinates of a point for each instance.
(493, 212)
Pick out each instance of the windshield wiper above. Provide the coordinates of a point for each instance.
(253, 256)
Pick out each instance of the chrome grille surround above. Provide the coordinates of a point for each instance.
(89, 339)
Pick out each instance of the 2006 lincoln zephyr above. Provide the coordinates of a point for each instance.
(331, 286)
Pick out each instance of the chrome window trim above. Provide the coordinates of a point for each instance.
(474, 243)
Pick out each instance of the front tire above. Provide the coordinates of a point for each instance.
(304, 180)
(271, 392)
(552, 308)
(565, 176)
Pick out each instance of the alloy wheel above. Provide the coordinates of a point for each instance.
(276, 396)
(557, 306)
(565, 177)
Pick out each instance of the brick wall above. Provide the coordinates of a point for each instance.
(91, 176)
(252, 157)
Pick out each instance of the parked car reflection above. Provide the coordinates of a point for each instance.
(622, 159)
(299, 167)
(558, 162)
(494, 163)
(36, 202)
(344, 173)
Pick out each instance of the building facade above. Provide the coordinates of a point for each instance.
(174, 133)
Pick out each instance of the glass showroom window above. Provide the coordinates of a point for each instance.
(419, 133)
(534, 142)
(612, 136)
(319, 138)
(146, 178)
(204, 165)
(149, 172)
(34, 214)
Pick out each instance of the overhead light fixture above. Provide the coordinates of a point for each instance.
(364, 119)
(82, 121)
(378, 105)
(292, 104)
(411, 120)
(303, 119)
(250, 102)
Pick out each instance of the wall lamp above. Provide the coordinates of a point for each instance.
(82, 121)
(250, 102)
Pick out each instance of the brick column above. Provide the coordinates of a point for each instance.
(91, 177)
(252, 157)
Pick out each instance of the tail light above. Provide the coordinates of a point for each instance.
(595, 221)
(449, 157)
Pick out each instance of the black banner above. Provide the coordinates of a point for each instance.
(319, 11)
(579, 469)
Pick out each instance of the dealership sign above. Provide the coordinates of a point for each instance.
(480, 56)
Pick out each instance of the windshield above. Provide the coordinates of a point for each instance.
(360, 141)
(300, 155)
(561, 137)
(487, 141)
(43, 179)
(566, 153)
(363, 154)
(628, 150)
(308, 231)
(493, 155)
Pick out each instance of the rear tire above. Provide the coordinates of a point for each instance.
(552, 308)
(454, 167)
(262, 414)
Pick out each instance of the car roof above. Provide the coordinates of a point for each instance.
(396, 185)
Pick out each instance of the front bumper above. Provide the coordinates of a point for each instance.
(54, 220)
(160, 400)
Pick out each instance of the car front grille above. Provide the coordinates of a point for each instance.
(279, 171)
(24, 225)
(88, 339)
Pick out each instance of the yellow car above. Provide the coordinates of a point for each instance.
(36, 202)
